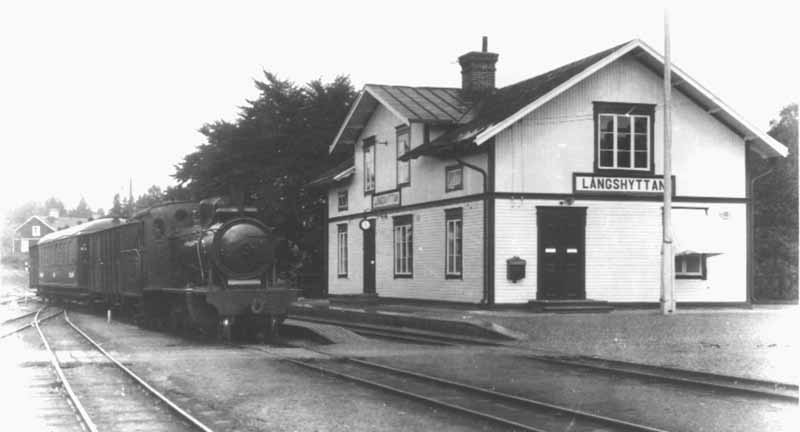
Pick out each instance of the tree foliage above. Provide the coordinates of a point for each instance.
(278, 144)
(81, 210)
(775, 218)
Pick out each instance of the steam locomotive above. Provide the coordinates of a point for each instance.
(208, 266)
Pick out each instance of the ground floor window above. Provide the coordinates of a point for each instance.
(690, 266)
(453, 242)
(403, 246)
(341, 247)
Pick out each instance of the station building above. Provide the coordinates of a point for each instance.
(547, 189)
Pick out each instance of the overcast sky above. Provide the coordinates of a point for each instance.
(95, 93)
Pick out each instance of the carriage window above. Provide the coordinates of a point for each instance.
(158, 228)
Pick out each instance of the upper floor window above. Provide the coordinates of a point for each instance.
(369, 164)
(36, 230)
(342, 200)
(624, 136)
(454, 178)
(403, 146)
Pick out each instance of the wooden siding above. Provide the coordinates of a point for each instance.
(623, 249)
(427, 174)
(540, 152)
(428, 281)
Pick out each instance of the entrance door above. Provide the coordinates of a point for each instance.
(369, 258)
(562, 258)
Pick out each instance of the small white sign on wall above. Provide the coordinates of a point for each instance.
(637, 185)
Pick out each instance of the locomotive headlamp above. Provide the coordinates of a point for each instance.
(365, 224)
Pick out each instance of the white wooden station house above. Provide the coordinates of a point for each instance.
(547, 189)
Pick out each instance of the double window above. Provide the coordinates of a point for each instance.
(624, 136)
(403, 147)
(454, 246)
(369, 165)
(403, 246)
(341, 247)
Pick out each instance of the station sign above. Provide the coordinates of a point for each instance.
(614, 185)
(386, 200)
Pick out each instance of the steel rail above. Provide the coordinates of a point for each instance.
(30, 324)
(185, 415)
(689, 378)
(416, 396)
(67, 387)
(506, 396)
(18, 318)
(461, 386)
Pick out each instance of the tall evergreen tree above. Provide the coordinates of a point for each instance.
(776, 215)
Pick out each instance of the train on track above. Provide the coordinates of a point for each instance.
(209, 266)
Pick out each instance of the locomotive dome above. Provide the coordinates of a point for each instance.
(84, 228)
(243, 248)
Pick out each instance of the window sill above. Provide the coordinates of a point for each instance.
(700, 277)
(454, 276)
(341, 276)
(404, 276)
(623, 172)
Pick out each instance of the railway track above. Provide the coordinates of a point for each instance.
(717, 383)
(511, 411)
(105, 394)
(29, 324)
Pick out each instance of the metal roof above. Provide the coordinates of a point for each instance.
(338, 173)
(82, 229)
(429, 105)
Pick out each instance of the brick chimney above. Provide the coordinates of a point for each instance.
(477, 72)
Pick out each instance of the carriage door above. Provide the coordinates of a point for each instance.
(369, 255)
(83, 261)
(561, 254)
(130, 259)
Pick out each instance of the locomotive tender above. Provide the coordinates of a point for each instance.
(207, 265)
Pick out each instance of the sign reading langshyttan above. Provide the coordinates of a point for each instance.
(386, 199)
(600, 184)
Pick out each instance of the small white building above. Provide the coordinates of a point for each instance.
(547, 189)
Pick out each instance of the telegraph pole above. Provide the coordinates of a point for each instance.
(667, 260)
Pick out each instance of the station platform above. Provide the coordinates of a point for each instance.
(755, 342)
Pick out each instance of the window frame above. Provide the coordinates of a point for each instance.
(339, 195)
(702, 274)
(405, 226)
(36, 230)
(369, 143)
(454, 215)
(632, 110)
(342, 251)
(447, 171)
(400, 131)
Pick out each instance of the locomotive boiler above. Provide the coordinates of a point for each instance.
(209, 266)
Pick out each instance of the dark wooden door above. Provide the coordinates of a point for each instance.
(369, 258)
(562, 255)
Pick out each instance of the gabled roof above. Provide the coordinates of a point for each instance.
(510, 104)
(429, 105)
(39, 218)
(338, 173)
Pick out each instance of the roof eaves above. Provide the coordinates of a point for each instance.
(32, 217)
(343, 127)
(495, 128)
(387, 105)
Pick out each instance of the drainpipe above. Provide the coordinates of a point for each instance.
(486, 264)
(752, 234)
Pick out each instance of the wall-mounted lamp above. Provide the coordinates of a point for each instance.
(567, 201)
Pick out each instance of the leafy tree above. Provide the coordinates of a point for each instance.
(55, 203)
(277, 145)
(776, 215)
(81, 210)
